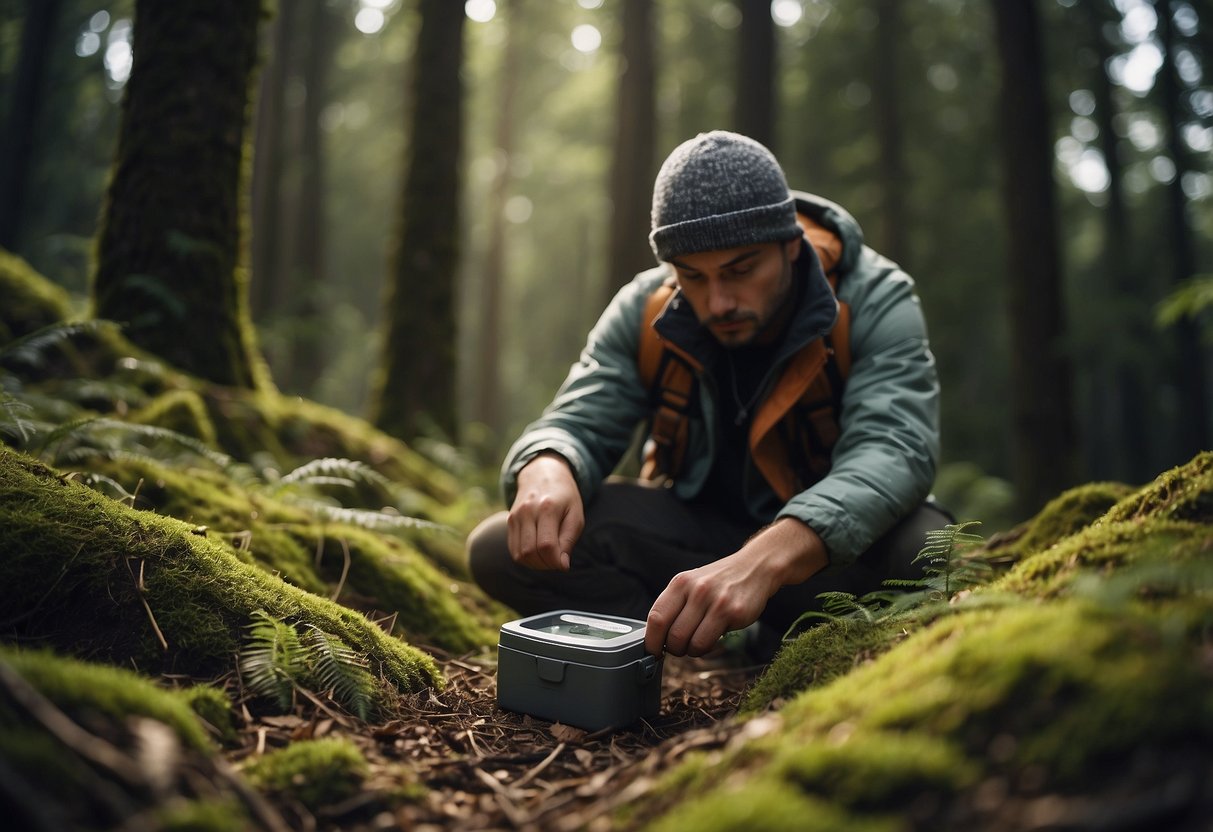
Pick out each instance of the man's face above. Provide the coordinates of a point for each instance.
(739, 293)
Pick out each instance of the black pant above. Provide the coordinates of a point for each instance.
(637, 537)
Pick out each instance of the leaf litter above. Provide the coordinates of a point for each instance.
(453, 759)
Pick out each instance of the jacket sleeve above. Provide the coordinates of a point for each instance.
(593, 417)
(884, 463)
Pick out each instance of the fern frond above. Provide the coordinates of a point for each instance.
(331, 471)
(341, 670)
(14, 425)
(82, 430)
(272, 659)
(364, 518)
(30, 350)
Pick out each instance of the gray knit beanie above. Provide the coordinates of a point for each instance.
(720, 190)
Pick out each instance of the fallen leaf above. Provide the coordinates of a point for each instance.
(566, 733)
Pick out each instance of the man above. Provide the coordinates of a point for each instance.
(794, 429)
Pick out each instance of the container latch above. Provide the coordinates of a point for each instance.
(550, 670)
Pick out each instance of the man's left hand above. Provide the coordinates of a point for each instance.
(700, 605)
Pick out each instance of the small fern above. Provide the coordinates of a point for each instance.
(340, 670)
(13, 424)
(330, 471)
(88, 430)
(276, 660)
(364, 518)
(949, 564)
(273, 659)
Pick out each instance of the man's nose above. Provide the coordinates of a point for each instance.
(720, 299)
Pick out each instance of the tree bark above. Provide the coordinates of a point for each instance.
(417, 379)
(1043, 422)
(755, 101)
(169, 249)
(308, 252)
(265, 285)
(25, 103)
(488, 388)
(1119, 443)
(632, 165)
(886, 100)
(1191, 376)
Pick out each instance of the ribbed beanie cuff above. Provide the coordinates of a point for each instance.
(720, 190)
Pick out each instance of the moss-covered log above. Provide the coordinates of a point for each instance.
(30, 301)
(103, 581)
(84, 746)
(169, 249)
(1079, 680)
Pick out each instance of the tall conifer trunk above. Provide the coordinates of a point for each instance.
(168, 257)
(755, 94)
(1043, 435)
(632, 159)
(886, 100)
(417, 378)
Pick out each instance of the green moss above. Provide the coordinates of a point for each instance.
(385, 573)
(767, 807)
(1064, 515)
(818, 656)
(212, 706)
(1183, 493)
(95, 575)
(202, 816)
(182, 411)
(1106, 546)
(317, 772)
(77, 687)
(876, 769)
(30, 300)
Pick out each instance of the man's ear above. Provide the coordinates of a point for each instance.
(793, 247)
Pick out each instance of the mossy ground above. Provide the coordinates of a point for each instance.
(101, 580)
(315, 773)
(1060, 677)
(117, 711)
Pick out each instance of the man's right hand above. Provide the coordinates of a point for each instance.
(547, 516)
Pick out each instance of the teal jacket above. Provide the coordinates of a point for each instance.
(883, 465)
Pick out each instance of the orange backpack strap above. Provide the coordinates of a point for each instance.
(668, 373)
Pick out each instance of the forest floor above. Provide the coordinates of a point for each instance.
(483, 768)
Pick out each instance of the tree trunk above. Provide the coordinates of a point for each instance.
(1193, 427)
(755, 101)
(632, 162)
(488, 387)
(25, 103)
(886, 101)
(169, 249)
(1120, 445)
(1043, 422)
(266, 283)
(307, 254)
(417, 379)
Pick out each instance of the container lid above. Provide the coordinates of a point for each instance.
(585, 637)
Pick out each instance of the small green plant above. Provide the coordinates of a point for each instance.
(951, 565)
(276, 661)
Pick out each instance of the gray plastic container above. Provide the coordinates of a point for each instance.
(583, 669)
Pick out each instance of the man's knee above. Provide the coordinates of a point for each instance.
(488, 549)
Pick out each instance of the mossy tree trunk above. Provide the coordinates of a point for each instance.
(168, 259)
(1043, 432)
(416, 384)
(24, 103)
(632, 162)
